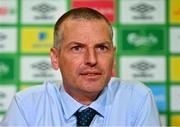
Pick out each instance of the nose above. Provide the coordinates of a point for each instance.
(90, 58)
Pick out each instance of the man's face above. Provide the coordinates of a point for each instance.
(86, 56)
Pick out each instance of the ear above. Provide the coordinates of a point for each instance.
(54, 58)
(114, 62)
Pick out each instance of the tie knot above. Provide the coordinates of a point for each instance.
(85, 117)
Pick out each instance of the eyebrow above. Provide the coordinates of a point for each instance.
(105, 43)
(79, 43)
(108, 43)
(75, 43)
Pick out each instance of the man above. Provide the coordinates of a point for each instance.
(84, 53)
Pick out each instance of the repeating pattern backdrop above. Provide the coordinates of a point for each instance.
(146, 34)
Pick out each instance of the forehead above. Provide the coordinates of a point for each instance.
(90, 28)
(69, 22)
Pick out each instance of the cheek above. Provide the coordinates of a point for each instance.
(106, 62)
(70, 63)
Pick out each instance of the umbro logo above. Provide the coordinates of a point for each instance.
(44, 10)
(41, 66)
(142, 10)
(143, 68)
(42, 69)
(2, 37)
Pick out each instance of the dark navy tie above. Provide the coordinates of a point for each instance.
(85, 117)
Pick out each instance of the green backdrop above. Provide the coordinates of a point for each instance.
(146, 34)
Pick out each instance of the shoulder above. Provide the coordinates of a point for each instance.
(128, 88)
(129, 95)
(33, 101)
(37, 92)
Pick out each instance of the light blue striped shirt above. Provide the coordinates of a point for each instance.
(121, 103)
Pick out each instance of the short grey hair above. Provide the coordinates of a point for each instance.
(77, 13)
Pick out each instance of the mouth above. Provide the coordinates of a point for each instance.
(93, 75)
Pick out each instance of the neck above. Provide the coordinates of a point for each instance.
(85, 98)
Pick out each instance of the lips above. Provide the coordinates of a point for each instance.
(91, 74)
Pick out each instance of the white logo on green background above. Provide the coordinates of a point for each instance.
(150, 40)
(4, 69)
(138, 40)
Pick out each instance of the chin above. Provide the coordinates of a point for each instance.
(93, 88)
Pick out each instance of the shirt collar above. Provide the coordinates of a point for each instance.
(100, 103)
(70, 105)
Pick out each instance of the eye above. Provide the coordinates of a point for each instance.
(76, 49)
(102, 48)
